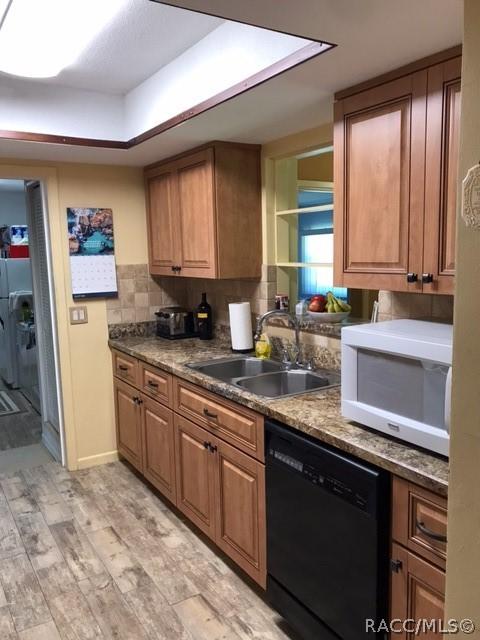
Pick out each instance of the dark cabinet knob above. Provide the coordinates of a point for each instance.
(412, 277)
(206, 445)
(427, 278)
(395, 565)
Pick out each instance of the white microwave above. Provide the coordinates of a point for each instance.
(396, 378)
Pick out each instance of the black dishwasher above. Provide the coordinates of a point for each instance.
(327, 537)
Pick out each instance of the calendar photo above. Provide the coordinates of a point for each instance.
(92, 252)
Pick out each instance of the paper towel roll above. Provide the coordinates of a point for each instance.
(241, 326)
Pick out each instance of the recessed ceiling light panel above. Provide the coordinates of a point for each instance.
(39, 38)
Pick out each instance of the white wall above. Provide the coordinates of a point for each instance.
(37, 107)
(12, 207)
(229, 54)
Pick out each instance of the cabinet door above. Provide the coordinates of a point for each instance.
(195, 474)
(158, 447)
(128, 423)
(240, 512)
(417, 592)
(196, 210)
(441, 175)
(163, 223)
(379, 140)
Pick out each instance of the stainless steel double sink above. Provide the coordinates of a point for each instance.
(267, 377)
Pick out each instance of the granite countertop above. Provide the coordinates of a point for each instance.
(316, 414)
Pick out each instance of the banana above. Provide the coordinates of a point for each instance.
(334, 305)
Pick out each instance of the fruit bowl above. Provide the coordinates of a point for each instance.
(324, 316)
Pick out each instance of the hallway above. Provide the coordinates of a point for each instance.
(95, 554)
(19, 429)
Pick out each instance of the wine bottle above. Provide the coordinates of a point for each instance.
(204, 319)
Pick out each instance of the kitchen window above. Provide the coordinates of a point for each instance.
(304, 225)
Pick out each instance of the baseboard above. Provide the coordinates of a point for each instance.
(100, 458)
(51, 441)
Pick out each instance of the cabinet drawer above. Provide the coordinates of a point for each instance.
(417, 593)
(125, 367)
(155, 383)
(234, 424)
(420, 521)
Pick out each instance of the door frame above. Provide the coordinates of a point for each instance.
(46, 436)
(47, 179)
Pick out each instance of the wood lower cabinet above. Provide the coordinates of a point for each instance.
(396, 144)
(128, 423)
(419, 527)
(222, 491)
(158, 447)
(240, 510)
(195, 474)
(418, 594)
(204, 213)
(202, 452)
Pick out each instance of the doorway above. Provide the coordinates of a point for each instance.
(31, 430)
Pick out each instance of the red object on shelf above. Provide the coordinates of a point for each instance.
(19, 251)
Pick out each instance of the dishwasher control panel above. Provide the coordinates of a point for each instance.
(327, 482)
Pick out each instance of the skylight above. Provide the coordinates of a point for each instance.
(39, 38)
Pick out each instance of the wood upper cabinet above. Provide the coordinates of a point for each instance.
(128, 423)
(241, 532)
(158, 447)
(379, 167)
(163, 241)
(204, 213)
(196, 213)
(441, 175)
(418, 593)
(396, 160)
(195, 474)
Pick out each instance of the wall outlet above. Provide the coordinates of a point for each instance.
(78, 315)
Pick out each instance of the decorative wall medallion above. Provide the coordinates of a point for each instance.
(471, 197)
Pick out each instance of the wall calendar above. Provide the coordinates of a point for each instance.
(92, 253)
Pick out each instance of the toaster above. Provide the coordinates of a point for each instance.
(175, 322)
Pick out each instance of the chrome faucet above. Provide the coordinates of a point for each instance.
(292, 321)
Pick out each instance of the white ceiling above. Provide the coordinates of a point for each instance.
(373, 36)
(143, 37)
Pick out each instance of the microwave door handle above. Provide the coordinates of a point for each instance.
(448, 399)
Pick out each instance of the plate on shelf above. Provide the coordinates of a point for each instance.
(323, 316)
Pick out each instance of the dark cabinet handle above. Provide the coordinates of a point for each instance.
(123, 367)
(207, 413)
(176, 269)
(206, 445)
(412, 277)
(153, 384)
(429, 533)
(427, 278)
(213, 448)
(396, 565)
(138, 401)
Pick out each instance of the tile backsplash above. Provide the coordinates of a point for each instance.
(140, 294)
(395, 305)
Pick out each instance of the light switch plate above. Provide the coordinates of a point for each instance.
(78, 315)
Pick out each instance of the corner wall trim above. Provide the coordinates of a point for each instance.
(98, 459)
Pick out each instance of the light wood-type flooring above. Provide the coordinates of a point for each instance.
(96, 554)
